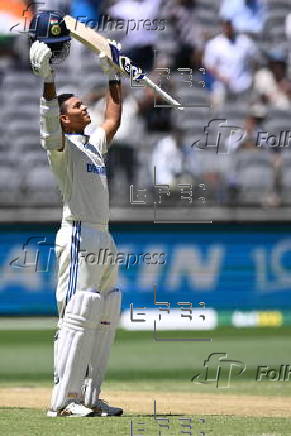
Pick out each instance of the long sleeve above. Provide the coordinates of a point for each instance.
(51, 135)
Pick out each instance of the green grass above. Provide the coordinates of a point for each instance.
(27, 356)
(32, 422)
(139, 363)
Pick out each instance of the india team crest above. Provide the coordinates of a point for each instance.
(56, 29)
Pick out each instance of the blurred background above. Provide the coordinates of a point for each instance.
(228, 63)
(224, 159)
(207, 190)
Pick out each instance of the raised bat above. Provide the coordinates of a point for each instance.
(97, 43)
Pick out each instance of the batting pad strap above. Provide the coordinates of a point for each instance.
(50, 128)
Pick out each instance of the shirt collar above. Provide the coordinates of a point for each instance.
(78, 138)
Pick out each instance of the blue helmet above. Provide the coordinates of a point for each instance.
(49, 27)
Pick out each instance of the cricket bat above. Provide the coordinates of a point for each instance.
(97, 43)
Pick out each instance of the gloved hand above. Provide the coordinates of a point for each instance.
(134, 72)
(107, 66)
(39, 56)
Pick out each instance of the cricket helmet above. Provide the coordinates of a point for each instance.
(49, 27)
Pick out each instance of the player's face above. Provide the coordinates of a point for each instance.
(228, 29)
(76, 117)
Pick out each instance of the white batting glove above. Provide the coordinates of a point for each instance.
(39, 56)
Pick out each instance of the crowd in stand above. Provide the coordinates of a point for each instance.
(236, 60)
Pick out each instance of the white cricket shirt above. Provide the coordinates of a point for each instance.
(81, 174)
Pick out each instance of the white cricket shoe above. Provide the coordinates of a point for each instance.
(103, 409)
(72, 410)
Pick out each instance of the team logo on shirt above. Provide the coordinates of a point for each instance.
(92, 168)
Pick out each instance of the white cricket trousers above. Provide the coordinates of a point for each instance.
(89, 307)
(86, 256)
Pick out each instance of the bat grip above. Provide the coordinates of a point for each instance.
(162, 93)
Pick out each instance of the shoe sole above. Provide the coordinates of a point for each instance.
(53, 414)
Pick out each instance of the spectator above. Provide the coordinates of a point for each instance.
(252, 126)
(248, 144)
(247, 15)
(157, 119)
(272, 84)
(229, 58)
(167, 159)
(188, 32)
(123, 154)
(140, 39)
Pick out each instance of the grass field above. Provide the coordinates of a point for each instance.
(143, 370)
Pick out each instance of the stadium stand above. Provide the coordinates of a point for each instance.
(20, 91)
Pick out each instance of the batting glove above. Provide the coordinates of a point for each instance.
(135, 73)
(108, 65)
(39, 56)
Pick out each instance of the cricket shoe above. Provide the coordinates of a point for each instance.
(72, 410)
(103, 409)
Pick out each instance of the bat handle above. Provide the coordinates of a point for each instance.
(162, 93)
